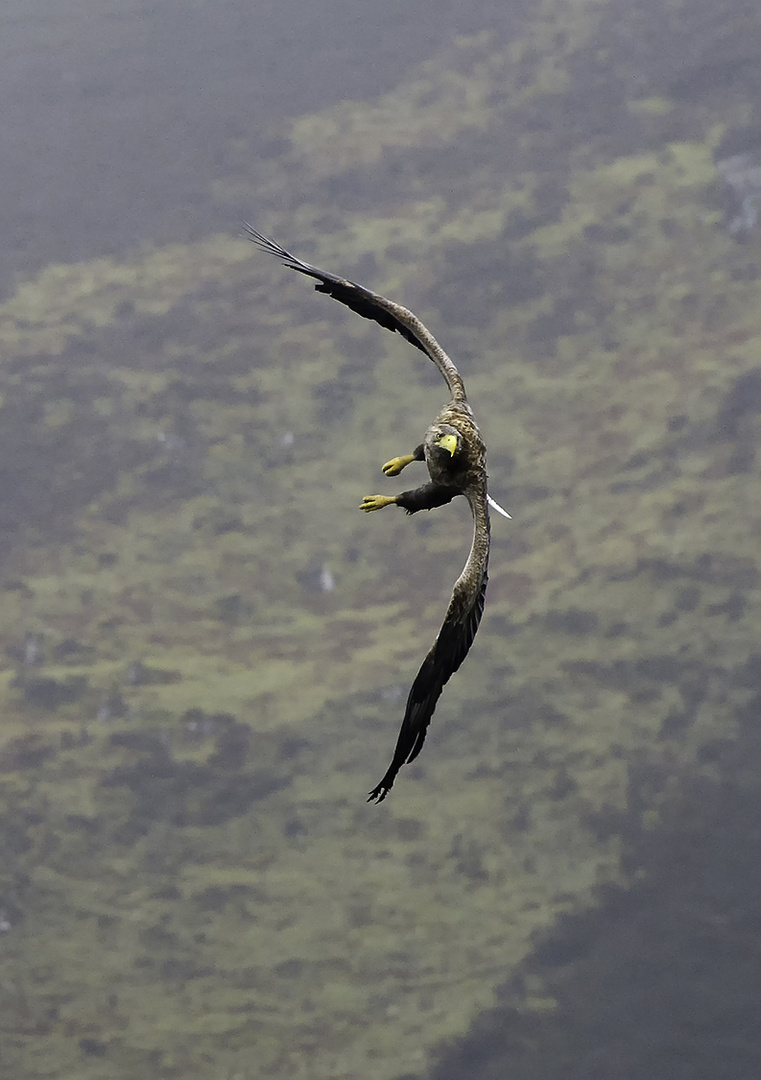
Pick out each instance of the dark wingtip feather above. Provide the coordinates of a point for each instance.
(379, 793)
(268, 245)
(356, 297)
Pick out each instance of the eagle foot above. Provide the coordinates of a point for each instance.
(395, 466)
(376, 502)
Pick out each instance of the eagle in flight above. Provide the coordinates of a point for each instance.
(454, 452)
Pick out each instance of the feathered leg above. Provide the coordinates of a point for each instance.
(423, 498)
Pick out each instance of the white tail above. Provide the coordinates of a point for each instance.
(495, 506)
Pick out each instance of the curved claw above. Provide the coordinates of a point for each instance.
(376, 502)
(395, 466)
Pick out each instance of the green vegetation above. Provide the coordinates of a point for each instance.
(194, 883)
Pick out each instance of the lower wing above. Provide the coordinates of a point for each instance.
(447, 653)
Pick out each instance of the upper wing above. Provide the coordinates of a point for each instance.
(447, 653)
(370, 305)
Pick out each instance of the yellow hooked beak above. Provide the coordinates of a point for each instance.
(448, 442)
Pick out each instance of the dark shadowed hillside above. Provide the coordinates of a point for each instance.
(662, 978)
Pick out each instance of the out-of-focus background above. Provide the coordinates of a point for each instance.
(205, 649)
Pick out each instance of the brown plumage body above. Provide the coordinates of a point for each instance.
(455, 455)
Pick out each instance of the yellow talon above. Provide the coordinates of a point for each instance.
(376, 502)
(395, 466)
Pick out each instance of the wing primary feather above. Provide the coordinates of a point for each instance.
(361, 300)
(371, 306)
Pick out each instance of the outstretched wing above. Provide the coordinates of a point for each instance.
(447, 653)
(370, 305)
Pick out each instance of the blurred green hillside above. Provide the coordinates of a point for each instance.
(192, 881)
